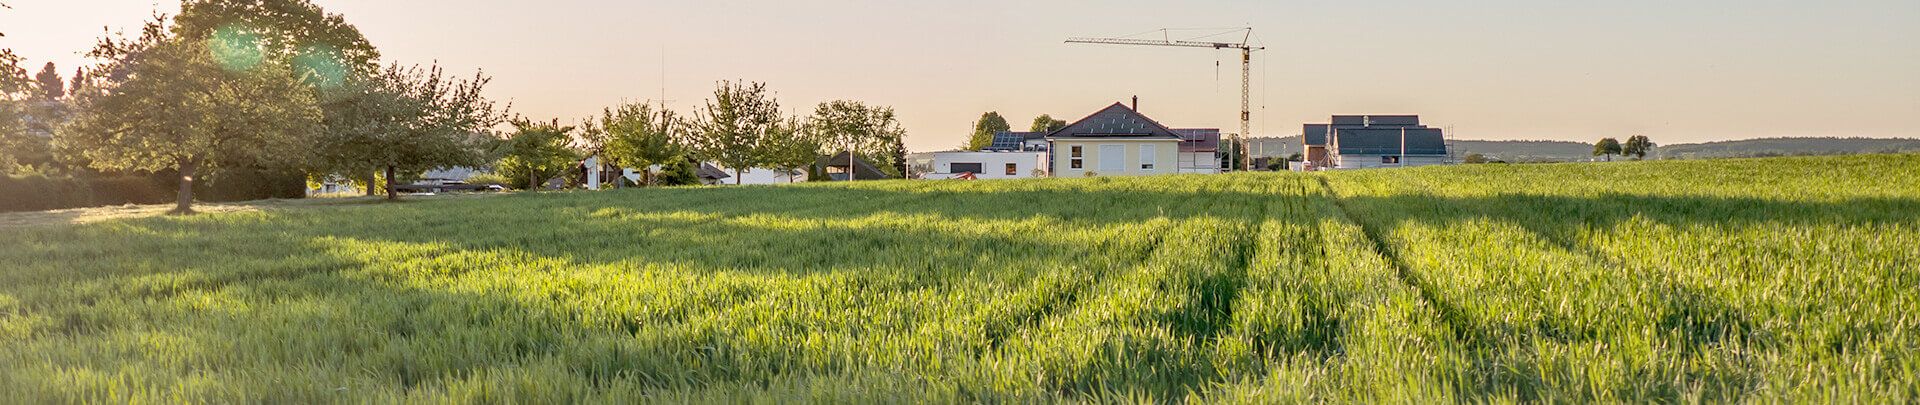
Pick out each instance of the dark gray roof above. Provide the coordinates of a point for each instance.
(1198, 139)
(1315, 134)
(863, 170)
(1393, 120)
(1386, 141)
(1349, 120)
(1115, 121)
(709, 172)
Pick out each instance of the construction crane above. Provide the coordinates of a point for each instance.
(1246, 77)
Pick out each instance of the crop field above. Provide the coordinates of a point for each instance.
(1792, 279)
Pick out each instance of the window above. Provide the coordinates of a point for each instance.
(1077, 164)
(1076, 151)
(1113, 158)
(1390, 160)
(1013, 169)
(1149, 155)
(965, 168)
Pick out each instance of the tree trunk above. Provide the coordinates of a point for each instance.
(184, 205)
(736, 177)
(391, 193)
(372, 179)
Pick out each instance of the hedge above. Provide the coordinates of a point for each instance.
(39, 192)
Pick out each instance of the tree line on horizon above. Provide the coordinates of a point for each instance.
(286, 87)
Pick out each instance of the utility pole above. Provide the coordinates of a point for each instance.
(1246, 79)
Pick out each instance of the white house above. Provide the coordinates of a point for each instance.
(761, 175)
(988, 164)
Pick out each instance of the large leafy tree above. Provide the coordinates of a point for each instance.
(1607, 147)
(641, 136)
(538, 151)
(869, 131)
(1637, 146)
(790, 147)
(15, 144)
(13, 90)
(1046, 123)
(407, 120)
(321, 46)
(169, 100)
(983, 130)
(730, 128)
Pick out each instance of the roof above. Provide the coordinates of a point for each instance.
(1115, 121)
(1387, 141)
(1315, 134)
(1012, 141)
(863, 170)
(1199, 139)
(709, 172)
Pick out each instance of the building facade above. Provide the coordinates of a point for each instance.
(1119, 141)
(988, 164)
(1373, 141)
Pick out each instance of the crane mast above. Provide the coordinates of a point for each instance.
(1246, 80)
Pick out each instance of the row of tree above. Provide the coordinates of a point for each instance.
(992, 123)
(743, 127)
(283, 85)
(1636, 146)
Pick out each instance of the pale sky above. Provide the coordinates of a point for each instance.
(1678, 72)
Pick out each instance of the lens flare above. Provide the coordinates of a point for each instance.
(321, 66)
(236, 48)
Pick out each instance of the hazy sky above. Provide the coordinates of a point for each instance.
(1569, 70)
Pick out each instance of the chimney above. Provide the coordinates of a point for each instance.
(1136, 103)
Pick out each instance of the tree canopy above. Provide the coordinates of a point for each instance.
(1046, 123)
(983, 130)
(1607, 147)
(14, 90)
(407, 120)
(537, 152)
(872, 132)
(641, 136)
(168, 101)
(1637, 146)
(320, 46)
(730, 128)
(790, 147)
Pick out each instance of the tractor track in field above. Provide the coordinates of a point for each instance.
(1453, 317)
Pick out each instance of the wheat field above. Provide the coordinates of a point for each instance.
(1791, 279)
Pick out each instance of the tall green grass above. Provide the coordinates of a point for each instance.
(1789, 279)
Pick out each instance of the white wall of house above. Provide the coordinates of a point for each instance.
(1199, 163)
(1385, 161)
(992, 165)
(760, 175)
(1118, 157)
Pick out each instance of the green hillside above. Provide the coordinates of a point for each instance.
(1762, 280)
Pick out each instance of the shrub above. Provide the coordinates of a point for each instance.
(489, 179)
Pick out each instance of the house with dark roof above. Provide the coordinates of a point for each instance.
(1372, 141)
(1119, 141)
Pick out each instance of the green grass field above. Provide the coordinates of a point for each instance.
(1793, 279)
